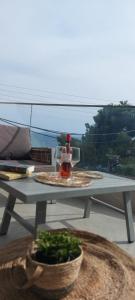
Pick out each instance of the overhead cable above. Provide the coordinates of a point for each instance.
(63, 132)
(57, 93)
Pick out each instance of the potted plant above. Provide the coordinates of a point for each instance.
(53, 263)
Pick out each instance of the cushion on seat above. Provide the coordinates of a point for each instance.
(14, 142)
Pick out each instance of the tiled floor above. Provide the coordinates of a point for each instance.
(69, 213)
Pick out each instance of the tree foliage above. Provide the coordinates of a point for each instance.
(109, 134)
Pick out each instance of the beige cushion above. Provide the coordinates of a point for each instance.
(14, 142)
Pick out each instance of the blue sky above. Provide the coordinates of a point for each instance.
(79, 47)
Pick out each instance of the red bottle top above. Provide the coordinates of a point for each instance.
(68, 138)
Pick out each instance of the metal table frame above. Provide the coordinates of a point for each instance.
(28, 190)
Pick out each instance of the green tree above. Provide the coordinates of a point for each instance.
(103, 137)
(123, 144)
(89, 152)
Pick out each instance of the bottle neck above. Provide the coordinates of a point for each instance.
(68, 147)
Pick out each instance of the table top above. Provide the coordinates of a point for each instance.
(29, 190)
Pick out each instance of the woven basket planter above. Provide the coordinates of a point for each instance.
(52, 281)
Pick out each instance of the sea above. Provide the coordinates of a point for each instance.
(38, 139)
(41, 140)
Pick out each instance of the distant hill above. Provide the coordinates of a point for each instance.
(41, 140)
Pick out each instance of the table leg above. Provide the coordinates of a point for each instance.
(51, 201)
(129, 217)
(6, 216)
(87, 209)
(40, 217)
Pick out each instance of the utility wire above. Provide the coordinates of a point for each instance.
(33, 95)
(72, 133)
(39, 133)
(38, 128)
(44, 134)
(36, 95)
(111, 133)
(62, 108)
(57, 93)
(12, 123)
(15, 96)
(47, 91)
(44, 97)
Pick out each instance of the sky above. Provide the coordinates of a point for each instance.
(75, 51)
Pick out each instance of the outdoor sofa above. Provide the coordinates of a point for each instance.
(15, 146)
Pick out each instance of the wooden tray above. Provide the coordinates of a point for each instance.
(52, 178)
(88, 174)
(107, 272)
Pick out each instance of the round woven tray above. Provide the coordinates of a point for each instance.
(107, 272)
(88, 174)
(52, 178)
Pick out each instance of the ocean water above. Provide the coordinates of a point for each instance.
(41, 140)
(44, 140)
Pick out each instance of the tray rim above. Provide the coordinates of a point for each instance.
(85, 181)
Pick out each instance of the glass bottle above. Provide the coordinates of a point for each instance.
(66, 159)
